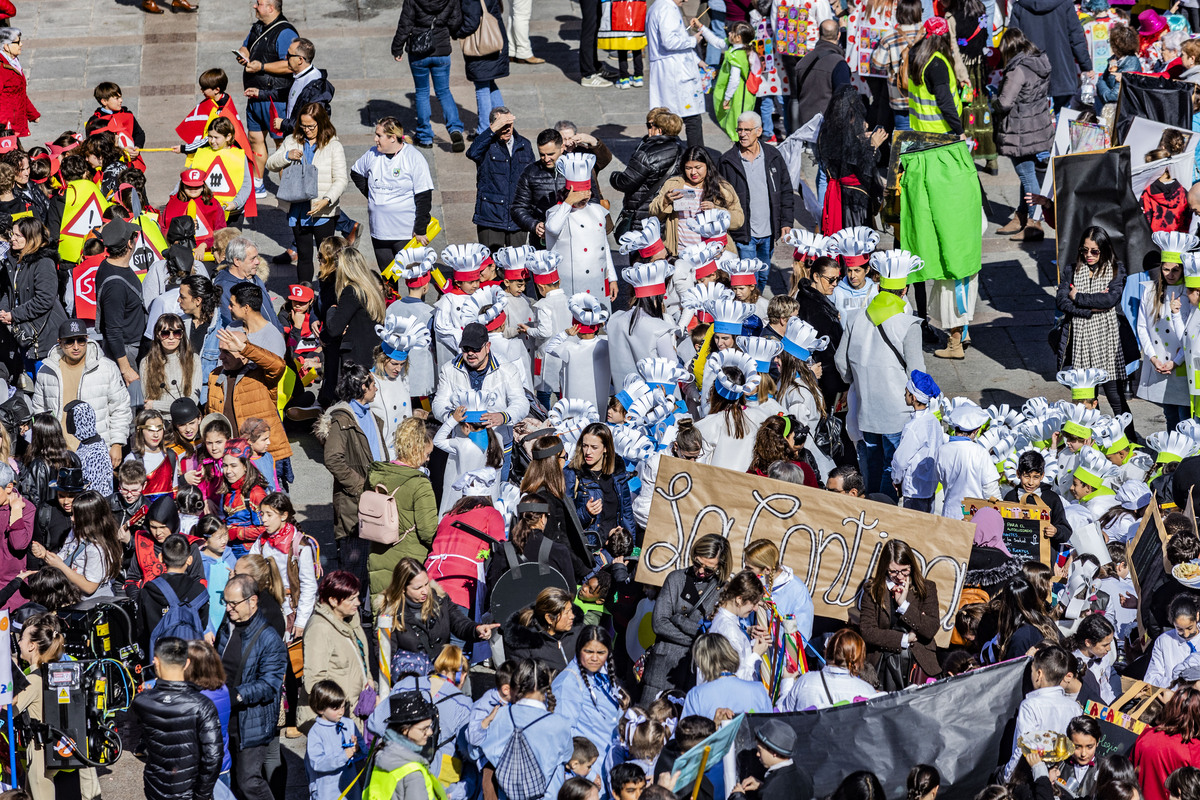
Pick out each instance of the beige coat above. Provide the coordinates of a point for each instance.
(662, 207)
(334, 650)
(332, 175)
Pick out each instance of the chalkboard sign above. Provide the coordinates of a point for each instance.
(1147, 559)
(1023, 523)
(1114, 739)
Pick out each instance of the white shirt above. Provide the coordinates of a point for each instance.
(553, 316)
(308, 578)
(914, 465)
(726, 624)
(87, 560)
(392, 184)
(1047, 709)
(809, 691)
(966, 470)
(1102, 671)
(1169, 650)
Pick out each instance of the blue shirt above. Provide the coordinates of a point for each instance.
(591, 710)
(325, 761)
(366, 421)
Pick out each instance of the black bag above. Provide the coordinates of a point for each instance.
(827, 435)
(421, 43)
(1054, 337)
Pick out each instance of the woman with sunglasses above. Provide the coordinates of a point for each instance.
(170, 370)
(815, 296)
(1089, 293)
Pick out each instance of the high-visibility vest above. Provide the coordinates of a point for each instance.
(151, 244)
(383, 783)
(224, 171)
(83, 211)
(923, 112)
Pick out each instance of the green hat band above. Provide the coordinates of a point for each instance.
(1075, 429)
(1083, 392)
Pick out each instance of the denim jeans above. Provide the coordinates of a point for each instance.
(760, 248)
(487, 97)
(1175, 415)
(766, 110)
(900, 120)
(437, 67)
(1026, 167)
(877, 467)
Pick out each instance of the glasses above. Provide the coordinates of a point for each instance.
(471, 350)
(75, 340)
(290, 56)
(226, 603)
(304, 127)
(1090, 251)
(829, 279)
(746, 130)
(155, 429)
(899, 573)
(174, 333)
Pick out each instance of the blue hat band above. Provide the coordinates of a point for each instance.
(763, 366)
(474, 417)
(731, 328)
(669, 388)
(791, 348)
(624, 399)
(728, 394)
(393, 353)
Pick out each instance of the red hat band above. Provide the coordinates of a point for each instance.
(654, 249)
(514, 274)
(497, 323)
(707, 269)
(653, 290)
(465, 275)
(743, 279)
(417, 283)
(546, 278)
(723, 239)
(585, 328)
(579, 186)
(856, 261)
(704, 317)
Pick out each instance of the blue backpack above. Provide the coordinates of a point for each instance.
(180, 619)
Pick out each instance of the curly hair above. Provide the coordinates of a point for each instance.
(770, 445)
(842, 144)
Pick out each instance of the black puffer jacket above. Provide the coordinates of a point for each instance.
(523, 641)
(429, 637)
(537, 191)
(1024, 125)
(654, 159)
(182, 741)
(32, 297)
(443, 16)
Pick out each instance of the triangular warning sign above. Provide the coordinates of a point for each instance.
(201, 229)
(89, 217)
(218, 180)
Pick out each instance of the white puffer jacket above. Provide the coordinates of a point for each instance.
(101, 386)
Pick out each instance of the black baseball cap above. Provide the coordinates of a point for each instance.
(116, 232)
(474, 337)
(72, 329)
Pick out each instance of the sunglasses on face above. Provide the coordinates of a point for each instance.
(174, 333)
(472, 350)
(75, 341)
(1090, 251)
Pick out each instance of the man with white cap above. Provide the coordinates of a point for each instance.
(476, 368)
(963, 465)
(914, 465)
(576, 229)
(882, 346)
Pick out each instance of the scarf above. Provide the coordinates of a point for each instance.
(988, 527)
(883, 307)
(831, 213)
(282, 539)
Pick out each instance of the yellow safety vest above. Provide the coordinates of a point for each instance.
(83, 210)
(150, 244)
(224, 171)
(383, 783)
(923, 112)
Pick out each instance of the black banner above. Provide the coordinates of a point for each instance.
(961, 725)
(1155, 99)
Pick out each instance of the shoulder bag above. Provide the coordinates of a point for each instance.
(486, 40)
(298, 181)
(422, 41)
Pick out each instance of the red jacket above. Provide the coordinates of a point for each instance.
(1156, 755)
(214, 217)
(15, 109)
(453, 560)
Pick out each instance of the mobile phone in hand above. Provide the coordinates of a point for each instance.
(238, 55)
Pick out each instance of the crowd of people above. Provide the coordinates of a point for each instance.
(493, 416)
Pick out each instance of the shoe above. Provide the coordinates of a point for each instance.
(930, 334)
(595, 82)
(151, 7)
(772, 140)
(456, 141)
(352, 236)
(286, 257)
(637, 81)
(423, 145)
(1015, 224)
(1032, 233)
(472, 135)
(608, 73)
(182, 5)
(991, 167)
(293, 733)
(953, 347)
(301, 414)
(260, 189)
(530, 60)
(625, 83)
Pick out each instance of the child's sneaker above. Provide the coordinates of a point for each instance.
(772, 140)
(624, 83)
(260, 191)
(637, 81)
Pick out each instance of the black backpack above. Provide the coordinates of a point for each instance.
(520, 585)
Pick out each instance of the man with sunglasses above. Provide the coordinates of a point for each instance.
(75, 369)
(476, 368)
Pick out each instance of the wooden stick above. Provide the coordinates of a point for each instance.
(700, 774)
(156, 150)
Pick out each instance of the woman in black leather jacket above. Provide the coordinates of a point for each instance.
(655, 158)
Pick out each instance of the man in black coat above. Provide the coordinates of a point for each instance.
(761, 180)
(775, 741)
(538, 188)
(309, 85)
(181, 730)
(501, 155)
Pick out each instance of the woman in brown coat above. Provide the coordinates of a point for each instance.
(256, 373)
(900, 619)
(698, 187)
(335, 645)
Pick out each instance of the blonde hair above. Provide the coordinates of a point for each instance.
(450, 661)
(265, 574)
(353, 271)
(762, 556)
(327, 256)
(222, 238)
(391, 126)
(411, 441)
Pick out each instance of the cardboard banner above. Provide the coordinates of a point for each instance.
(941, 724)
(832, 541)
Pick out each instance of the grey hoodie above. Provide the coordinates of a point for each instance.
(394, 755)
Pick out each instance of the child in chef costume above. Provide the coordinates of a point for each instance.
(551, 315)
(583, 349)
(576, 229)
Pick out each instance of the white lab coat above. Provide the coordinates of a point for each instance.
(966, 470)
(674, 65)
(511, 351)
(1162, 337)
(462, 455)
(585, 372)
(392, 404)
(552, 316)
(721, 448)
(914, 465)
(446, 328)
(519, 311)
(422, 371)
(579, 236)
(1170, 649)
(651, 336)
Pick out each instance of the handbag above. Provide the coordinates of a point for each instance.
(298, 182)
(486, 40)
(378, 518)
(367, 700)
(421, 43)
(827, 435)
(753, 82)
(295, 650)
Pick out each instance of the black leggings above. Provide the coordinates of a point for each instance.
(386, 250)
(693, 126)
(307, 238)
(1115, 392)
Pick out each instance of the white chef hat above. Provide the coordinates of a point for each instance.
(1038, 431)
(649, 409)
(413, 264)
(968, 417)
(576, 168)
(569, 417)
(1189, 427)
(1173, 446)
(1191, 270)
(1049, 473)
(508, 497)
(485, 306)
(1174, 244)
(727, 387)
(544, 266)
(855, 244)
(800, 339)
(711, 225)
(761, 349)
(477, 482)
(1036, 407)
(808, 245)
(476, 402)
(588, 312)
(699, 299)
(1109, 433)
(743, 271)
(1005, 415)
(1082, 382)
(999, 442)
(632, 388)
(1078, 421)
(729, 314)
(702, 257)
(648, 279)
(663, 373)
(1094, 469)
(631, 444)
(514, 261)
(398, 335)
(894, 267)
(647, 241)
(466, 260)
